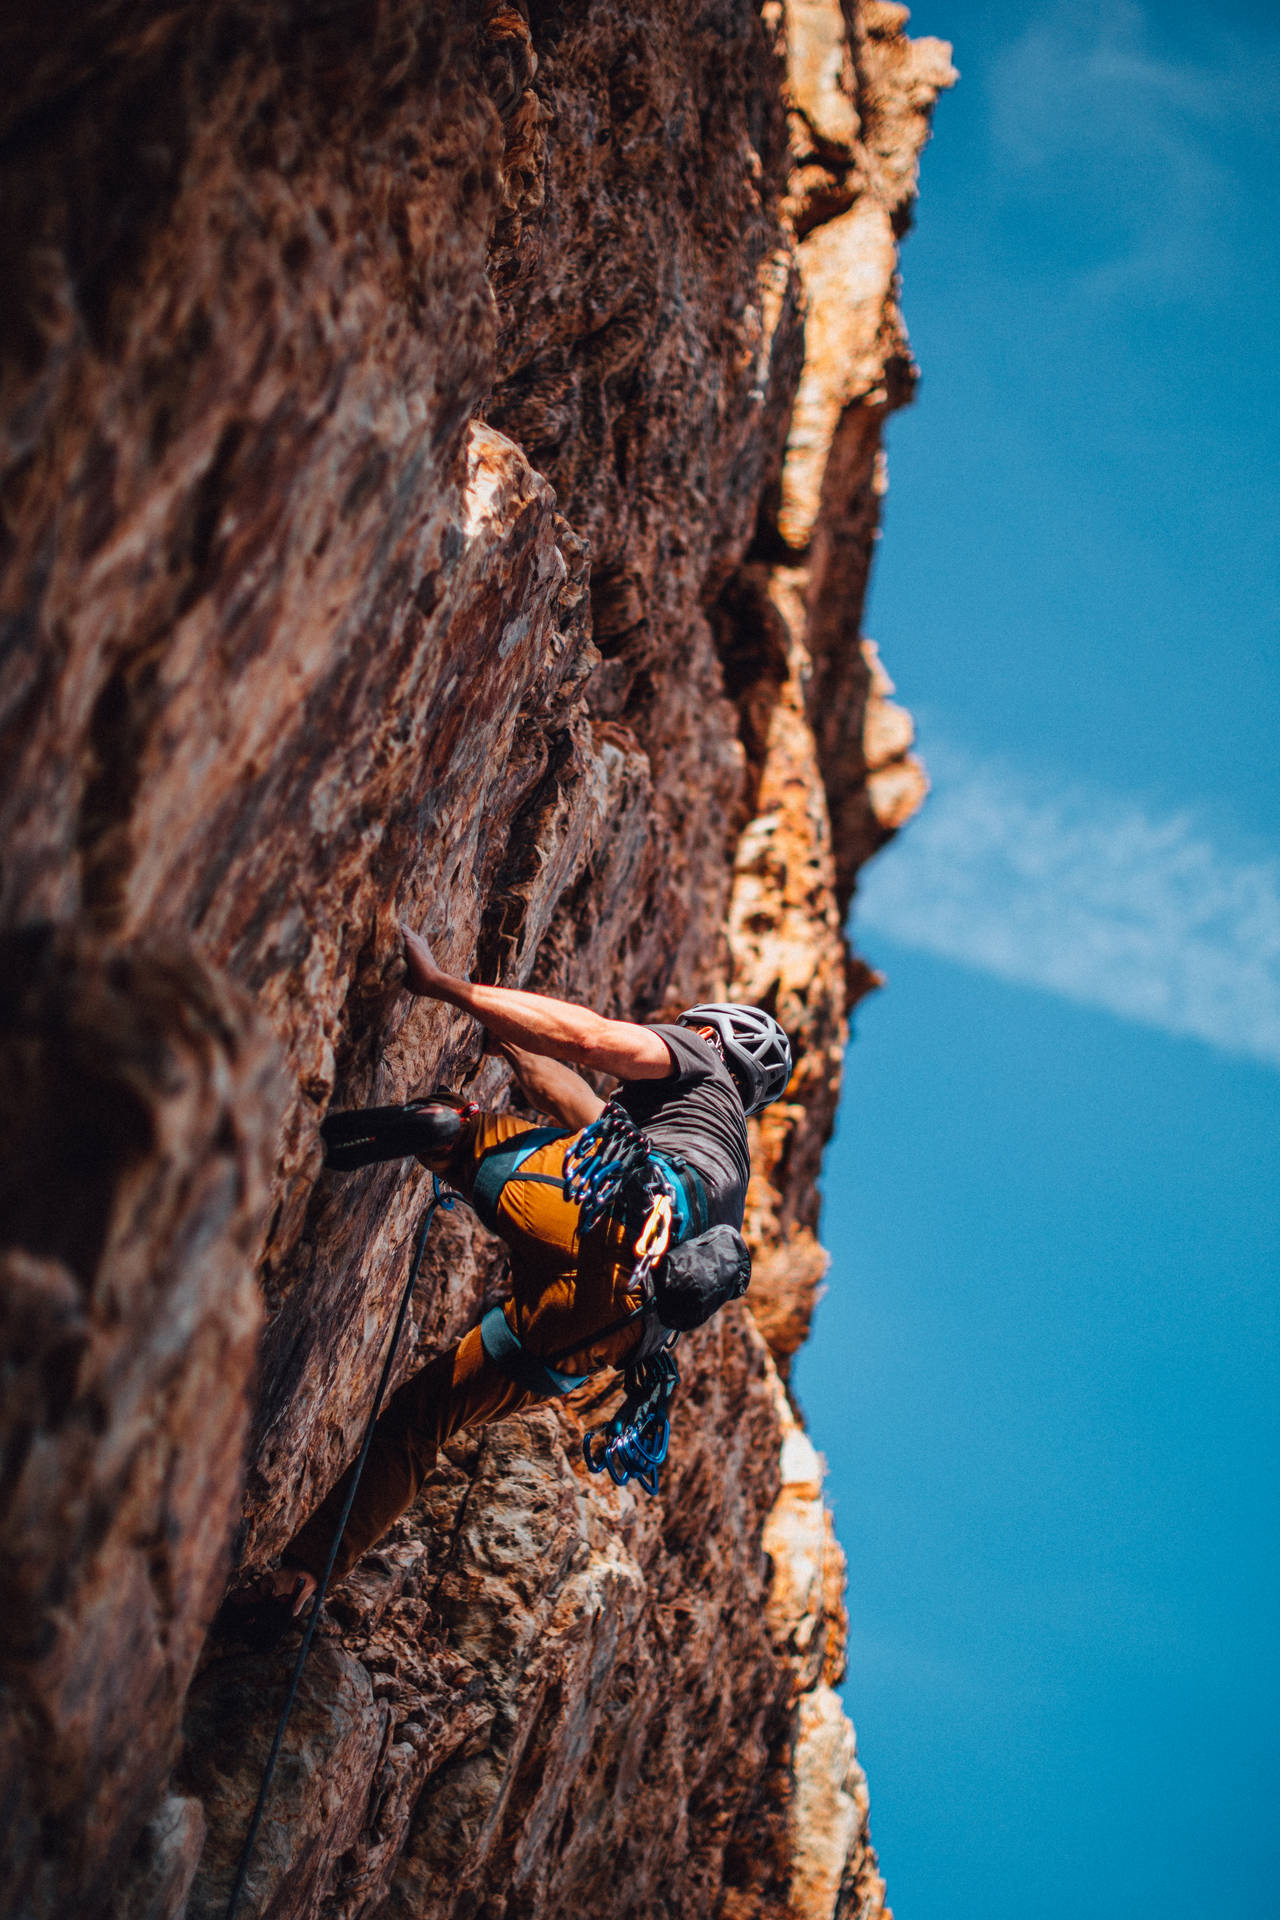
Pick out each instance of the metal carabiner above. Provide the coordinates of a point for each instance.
(655, 1234)
(653, 1439)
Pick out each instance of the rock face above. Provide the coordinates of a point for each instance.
(439, 470)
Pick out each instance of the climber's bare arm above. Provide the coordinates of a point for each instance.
(552, 1087)
(539, 1024)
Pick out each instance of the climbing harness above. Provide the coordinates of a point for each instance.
(504, 1162)
(611, 1163)
(442, 1199)
(510, 1355)
(685, 1269)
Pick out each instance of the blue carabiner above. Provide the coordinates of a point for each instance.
(646, 1477)
(654, 1450)
(617, 1463)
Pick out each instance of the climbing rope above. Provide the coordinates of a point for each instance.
(443, 1199)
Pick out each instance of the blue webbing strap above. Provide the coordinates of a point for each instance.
(697, 1195)
(503, 1161)
(511, 1357)
(690, 1195)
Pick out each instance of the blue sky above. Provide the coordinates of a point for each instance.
(1051, 1199)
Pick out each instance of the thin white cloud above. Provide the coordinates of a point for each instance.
(1089, 896)
(1144, 145)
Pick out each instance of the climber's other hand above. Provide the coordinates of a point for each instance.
(421, 972)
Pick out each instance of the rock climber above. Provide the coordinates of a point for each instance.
(688, 1086)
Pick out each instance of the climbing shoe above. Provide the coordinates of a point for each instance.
(361, 1136)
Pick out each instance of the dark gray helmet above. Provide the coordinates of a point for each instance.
(754, 1046)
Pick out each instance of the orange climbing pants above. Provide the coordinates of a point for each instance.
(566, 1295)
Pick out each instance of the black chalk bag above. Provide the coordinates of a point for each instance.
(700, 1276)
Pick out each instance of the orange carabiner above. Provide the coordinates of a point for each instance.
(655, 1234)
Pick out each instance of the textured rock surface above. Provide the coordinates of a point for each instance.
(129, 1324)
(439, 469)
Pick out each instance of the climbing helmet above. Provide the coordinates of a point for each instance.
(754, 1045)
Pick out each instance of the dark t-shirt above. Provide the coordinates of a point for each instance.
(697, 1112)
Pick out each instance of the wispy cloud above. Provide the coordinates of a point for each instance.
(1091, 106)
(1090, 896)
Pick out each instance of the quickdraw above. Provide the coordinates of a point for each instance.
(608, 1156)
(634, 1444)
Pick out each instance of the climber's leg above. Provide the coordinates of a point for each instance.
(567, 1304)
(460, 1388)
(361, 1136)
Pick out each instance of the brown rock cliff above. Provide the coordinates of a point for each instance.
(439, 469)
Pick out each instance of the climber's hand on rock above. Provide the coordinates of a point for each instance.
(421, 973)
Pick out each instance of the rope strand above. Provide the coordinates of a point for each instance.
(444, 1199)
